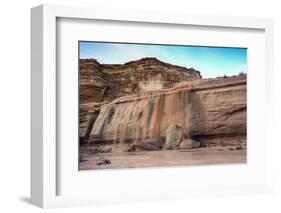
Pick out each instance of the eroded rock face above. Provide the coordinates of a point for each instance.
(219, 111)
(207, 111)
(138, 117)
(88, 115)
(106, 82)
(138, 105)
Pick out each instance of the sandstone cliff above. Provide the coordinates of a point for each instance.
(210, 111)
(105, 82)
(142, 102)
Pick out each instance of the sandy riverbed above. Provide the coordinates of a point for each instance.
(201, 156)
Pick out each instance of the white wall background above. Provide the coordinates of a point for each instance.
(15, 104)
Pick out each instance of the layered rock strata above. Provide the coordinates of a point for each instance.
(100, 83)
(105, 82)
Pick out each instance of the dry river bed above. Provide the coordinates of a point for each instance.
(191, 157)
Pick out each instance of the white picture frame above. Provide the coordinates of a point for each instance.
(44, 154)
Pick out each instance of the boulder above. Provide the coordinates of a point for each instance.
(189, 144)
(174, 137)
(102, 161)
(145, 145)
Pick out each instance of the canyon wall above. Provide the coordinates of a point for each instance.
(151, 101)
(101, 83)
(105, 82)
(209, 111)
(219, 110)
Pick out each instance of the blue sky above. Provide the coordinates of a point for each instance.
(210, 61)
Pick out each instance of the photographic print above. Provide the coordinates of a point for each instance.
(158, 105)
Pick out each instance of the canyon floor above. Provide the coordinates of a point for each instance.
(167, 158)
